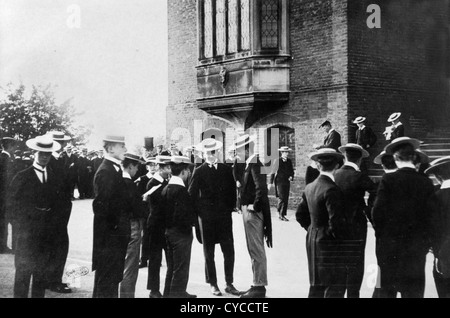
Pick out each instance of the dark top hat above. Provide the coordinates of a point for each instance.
(149, 143)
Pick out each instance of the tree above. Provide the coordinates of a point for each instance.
(27, 117)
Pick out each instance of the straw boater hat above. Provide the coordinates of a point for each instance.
(394, 117)
(160, 160)
(438, 164)
(180, 160)
(115, 139)
(244, 141)
(402, 141)
(325, 153)
(359, 120)
(43, 144)
(285, 149)
(210, 144)
(58, 136)
(133, 157)
(364, 153)
(378, 159)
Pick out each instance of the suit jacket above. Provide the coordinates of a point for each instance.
(33, 207)
(441, 239)
(156, 219)
(254, 191)
(214, 195)
(111, 220)
(366, 138)
(354, 185)
(6, 174)
(178, 209)
(284, 171)
(321, 213)
(402, 217)
(136, 207)
(333, 140)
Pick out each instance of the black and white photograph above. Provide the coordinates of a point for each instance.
(224, 153)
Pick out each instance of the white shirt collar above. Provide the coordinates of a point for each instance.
(177, 181)
(398, 124)
(401, 164)
(328, 174)
(353, 165)
(445, 185)
(150, 175)
(212, 163)
(332, 129)
(56, 154)
(158, 177)
(38, 166)
(362, 127)
(126, 175)
(114, 160)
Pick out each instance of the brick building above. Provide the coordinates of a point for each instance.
(252, 65)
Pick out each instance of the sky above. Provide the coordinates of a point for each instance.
(108, 56)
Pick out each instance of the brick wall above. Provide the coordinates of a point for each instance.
(401, 67)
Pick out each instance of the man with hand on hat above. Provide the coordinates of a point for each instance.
(440, 168)
(179, 212)
(332, 139)
(213, 190)
(34, 201)
(136, 212)
(322, 213)
(59, 248)
(256, 214)
(111, 220)
(355, 184)
(402, 218)
(282, 175)
(7, 148)
(397, 130)
(155, 226)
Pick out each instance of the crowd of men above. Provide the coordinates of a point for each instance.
(145, 206)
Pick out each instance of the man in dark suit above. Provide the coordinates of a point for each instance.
(321, 213)
(70, 165)
(332, 139)
(156, 225)
(402, 218)
(34, 201)
(111, 220)
(179, 212)
(440, 168)
(355, 184)
(256, 214)
(84, 166)
(282, 176)
(7, 147)
(136, 211)
(213, 190)
(59, 248)
(366, 138)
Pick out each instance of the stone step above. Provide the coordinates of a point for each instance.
(435, 140)
(437, 152)
(430, 146)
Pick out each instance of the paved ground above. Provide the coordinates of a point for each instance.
(287, 264)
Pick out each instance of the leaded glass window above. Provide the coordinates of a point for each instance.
(269, 24)
(221, 27)
(208, 29)
(233, 15)
(245, 25)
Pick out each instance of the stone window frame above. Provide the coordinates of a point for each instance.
(256, 25)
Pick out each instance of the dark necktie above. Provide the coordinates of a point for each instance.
(43, 174)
